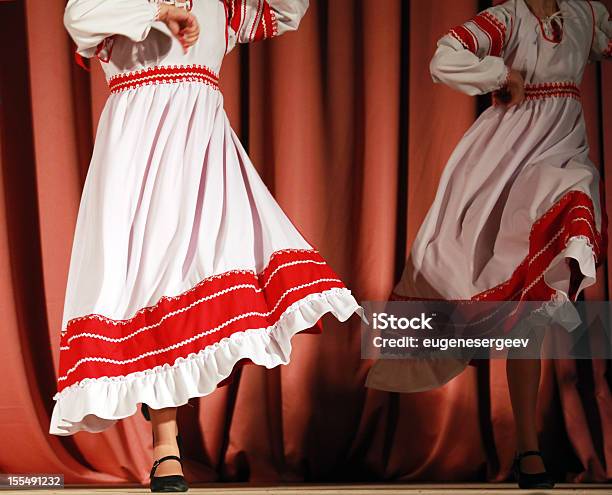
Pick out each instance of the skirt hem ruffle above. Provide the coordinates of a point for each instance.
(95, 404)
(422, 374)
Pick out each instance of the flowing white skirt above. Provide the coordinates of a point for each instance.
(517, 200)
(182, 264)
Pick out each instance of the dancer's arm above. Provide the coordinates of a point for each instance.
(469, 57)
(602, 39)
(255, 20)
(91, 22)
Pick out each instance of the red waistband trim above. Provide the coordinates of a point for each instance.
(552, 90)
(168, 74)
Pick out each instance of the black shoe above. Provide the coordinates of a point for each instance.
(172, 483)
(530, 481)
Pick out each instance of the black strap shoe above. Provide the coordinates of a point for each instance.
(531, 481)
(172, 483)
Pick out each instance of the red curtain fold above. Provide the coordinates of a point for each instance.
(347, 129)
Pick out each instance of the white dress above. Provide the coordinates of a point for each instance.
(519, 196)
(183, 265)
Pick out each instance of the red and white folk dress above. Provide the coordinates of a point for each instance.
(519, 196)
(182, 264)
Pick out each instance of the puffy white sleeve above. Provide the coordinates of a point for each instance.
(255, 20)
(470, 57)
(90, 22)
(602, 39)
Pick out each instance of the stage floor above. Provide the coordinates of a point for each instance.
(388, 489)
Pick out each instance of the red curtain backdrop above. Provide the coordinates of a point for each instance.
(350, 134)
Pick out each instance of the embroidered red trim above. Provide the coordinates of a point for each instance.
(465, 37)
(573, 215)
(236, 14)
(267, 26)
(227, 23)
(163, 75)
(94, 346)
(262, 26)
(81, 61)
(255, 24)
(494, 30)
(490, 26)
(106, 45)
(566, 89)
(557, 29)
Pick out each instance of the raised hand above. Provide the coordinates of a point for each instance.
(182, 23)
(514, 91)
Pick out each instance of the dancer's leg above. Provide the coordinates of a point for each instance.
(523, 384)
(165, 431)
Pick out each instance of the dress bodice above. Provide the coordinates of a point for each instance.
(160, 47)
(127, 36)
(542, 57)
(476, 56)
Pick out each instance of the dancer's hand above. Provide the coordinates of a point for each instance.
(514, 91)
(182, 23)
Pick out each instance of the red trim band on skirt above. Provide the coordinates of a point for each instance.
(571, 216)
(539, 91)
(168, 74)
(94, 346)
